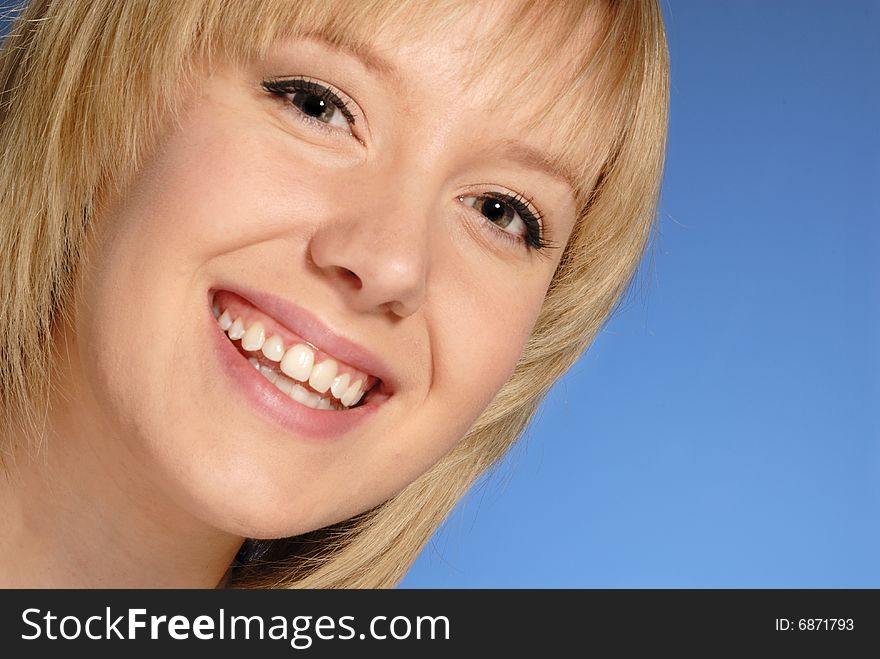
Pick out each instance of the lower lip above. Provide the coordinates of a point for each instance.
(271, 403)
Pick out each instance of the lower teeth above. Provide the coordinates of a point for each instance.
(294, 390)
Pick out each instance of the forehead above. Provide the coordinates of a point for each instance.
(515, 65)
(489, 50)
(529, 61)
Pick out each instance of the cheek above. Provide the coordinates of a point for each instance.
(143, 289)
(221, 186)
(484, 331)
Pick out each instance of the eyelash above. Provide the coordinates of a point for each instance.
(282, 87)
(532, 218)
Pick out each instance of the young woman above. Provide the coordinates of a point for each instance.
(280, 279)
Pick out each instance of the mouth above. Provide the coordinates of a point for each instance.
(310, 366)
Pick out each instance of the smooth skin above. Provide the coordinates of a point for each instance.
(157, 467)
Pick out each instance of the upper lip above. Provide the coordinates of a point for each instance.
(307, 325)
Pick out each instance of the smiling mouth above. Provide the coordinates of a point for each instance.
(297, 368)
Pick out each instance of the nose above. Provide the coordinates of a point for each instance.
(376, 255)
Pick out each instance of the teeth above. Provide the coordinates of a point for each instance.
(254, 337)
(353, 395)
(297, 362)
(323, 375)
(269, 374)
(300, 394)
(308, 398)
(283, 383)
(273, 348)
(340, 385)
(236, 330)
(225, 321)
(296, 391)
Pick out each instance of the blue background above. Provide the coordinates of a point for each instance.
(723, 429)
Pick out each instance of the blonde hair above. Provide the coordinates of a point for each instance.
(86, 89)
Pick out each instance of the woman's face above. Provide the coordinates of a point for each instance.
(378, 220)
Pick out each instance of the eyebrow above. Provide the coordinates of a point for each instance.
(513, 150)
(362, 52)
(538, 160)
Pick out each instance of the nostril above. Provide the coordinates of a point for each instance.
(351, 278)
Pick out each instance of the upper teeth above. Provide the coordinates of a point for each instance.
(297, 362)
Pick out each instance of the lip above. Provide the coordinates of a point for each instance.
(304, 323)
(271, 403)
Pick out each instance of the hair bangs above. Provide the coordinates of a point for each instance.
(112, 73)
(577, 58)
(248, 29)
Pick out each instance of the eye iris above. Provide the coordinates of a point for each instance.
(314, 106)
(496, 211)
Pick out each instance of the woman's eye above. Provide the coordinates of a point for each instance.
(314, 101)
(510, 214)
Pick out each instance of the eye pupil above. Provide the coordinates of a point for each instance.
(314, 106)
(496, 211)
